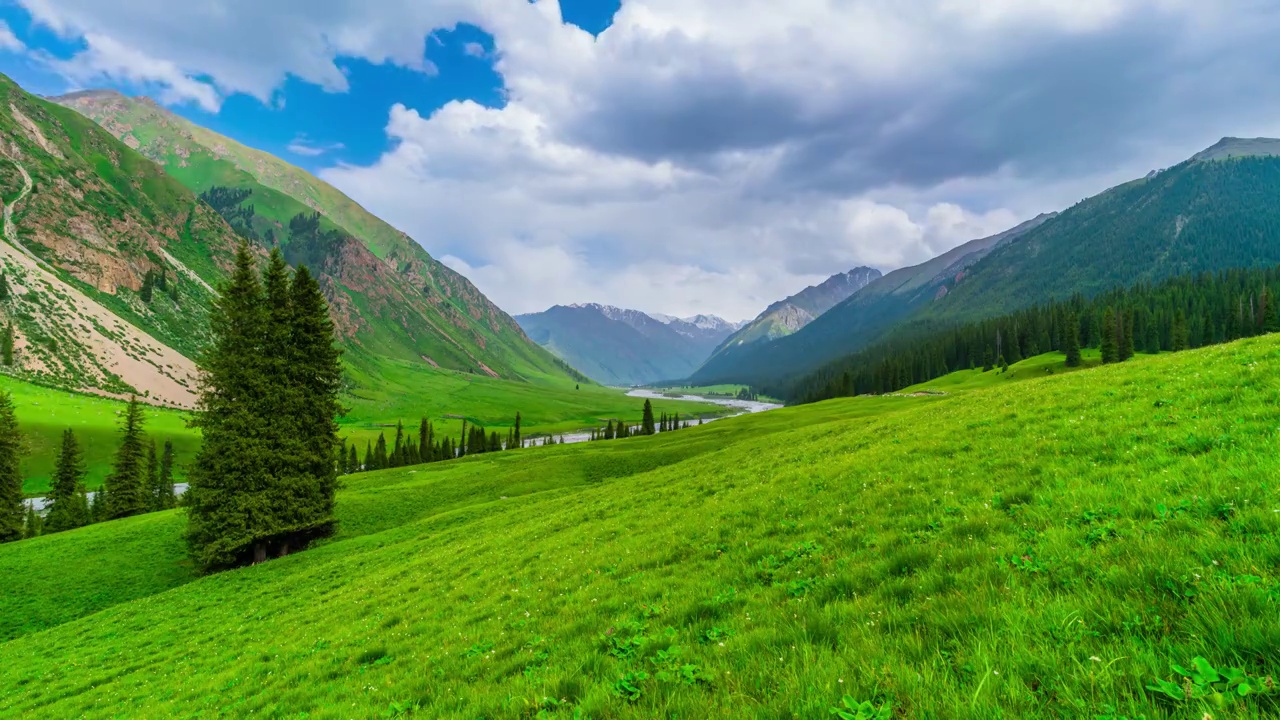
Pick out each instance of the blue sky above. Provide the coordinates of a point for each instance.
(344, 127)
(683, 156)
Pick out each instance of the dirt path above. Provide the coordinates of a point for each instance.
(11, 232)
(186, 271)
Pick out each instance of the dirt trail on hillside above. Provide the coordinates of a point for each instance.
(164, 374)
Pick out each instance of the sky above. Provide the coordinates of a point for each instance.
(683, 156)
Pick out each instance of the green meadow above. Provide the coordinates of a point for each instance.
(1096, 544)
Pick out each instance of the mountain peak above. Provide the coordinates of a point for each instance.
(1233, 147)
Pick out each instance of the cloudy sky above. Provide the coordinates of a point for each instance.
(684, 156)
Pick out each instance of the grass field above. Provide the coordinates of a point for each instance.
(1047, 548)
(43, 413)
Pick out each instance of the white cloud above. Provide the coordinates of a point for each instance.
(8, 41)
(303, 146)
(715, 155)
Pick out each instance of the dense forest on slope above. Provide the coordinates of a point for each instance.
(1177, 314)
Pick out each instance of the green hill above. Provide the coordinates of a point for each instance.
(391, 299)
(1048, 548)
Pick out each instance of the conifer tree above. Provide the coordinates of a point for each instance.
(1071, 341)
(1180, 339)
(462, 440)
(380, 453)
(369, 459)
(1110, 337)
(11, 509)
(6, 345)
(1125, 322)
(151, 477)
(165, 497)
(127, 486)
(33, 525)
(397, 453)
(353, 460)
(4, 287)
(646, 424)
(230, 497)
(68, 504)
(495, 443)
(426, 440)
(516, 434)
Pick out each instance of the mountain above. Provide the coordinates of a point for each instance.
(625, 347)
(789, 315)
(1214, 211)
(108, 262)
(855, 320)
(391, 300)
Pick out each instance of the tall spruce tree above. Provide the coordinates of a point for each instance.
(6, 345)
(1180, 335)
(369, 459)
(1071, 341)
(1127, 329)
(126, 486)
(397, 453)
(34, 524)
(380, 458)
(68, 503)
(151, 477)
(4, 287)
(426, 440)
(1110, 337)
(231, 480)
(11, 505)
(165, 497)
(353, 461)
(646, 423)
(516, 439)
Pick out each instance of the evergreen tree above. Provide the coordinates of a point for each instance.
(462, 440)
(609, 432)
(1181, 337)
(230, 497)
(11, 505)
(988, 360)
(646, 424)
(127, 486)
(165, 497)
(1071, 341)
(517, 438)
(495, 443)
(380, 453)
(151, 478)
(6, 345)
(426, 440)
(33, 525)
(1269, 313)
(4, 287)
(353, 460)
(1125, 322)
(1110, 338)
(369, 459)
(148, 284)
(397, 453)
(68, 504)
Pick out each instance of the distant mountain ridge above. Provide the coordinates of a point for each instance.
(618, 346)
(789, 315)
(1215, 211)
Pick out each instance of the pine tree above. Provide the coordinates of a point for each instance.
(517, 438)
(1071, 341)
(426, 440)
(1110, 338)
(6, 345)
(126, 486)
(148, 283)
(380, 453)
(68, 504)
(32, 526)
(151, 478)
(462, 440)
(11, 510)
(315, 365)
(229, 498)
(4, 287)
(165, 497)
(646, 424)
(1126, 326)
(397, 452)
(369, 459)
(1180, 339)
(1269, 312)
(353, 460)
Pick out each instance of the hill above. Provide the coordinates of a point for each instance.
(856, 320)
(791, 314)
(391, 299)
(625, 347)
(966, 556)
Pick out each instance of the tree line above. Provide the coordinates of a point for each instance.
(1177, 314)
(140, 481)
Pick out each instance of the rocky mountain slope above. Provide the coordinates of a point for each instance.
(625, 347)
(391, 299)
(793, 313)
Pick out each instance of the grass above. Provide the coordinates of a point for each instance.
(43, 413)
(1048, 548)
(1039, 366)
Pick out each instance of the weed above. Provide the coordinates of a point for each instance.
(851, 709)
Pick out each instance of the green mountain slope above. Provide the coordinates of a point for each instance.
(857, 320)
(108, 259)
(962, 557)
(789, 315)
(391, 299)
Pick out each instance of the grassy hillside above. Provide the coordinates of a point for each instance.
(391, 298)
(1047, 548)
(43, 413)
